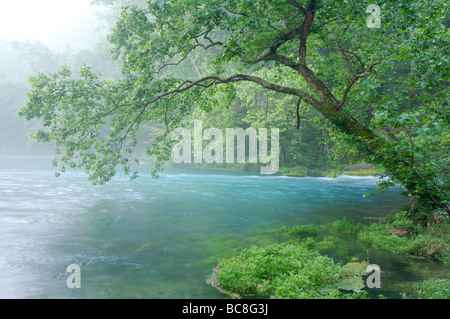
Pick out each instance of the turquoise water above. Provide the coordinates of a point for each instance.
(156, 238)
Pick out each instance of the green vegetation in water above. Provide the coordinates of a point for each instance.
(222, 245)
(434, 289)
(345, 226)
(402, 236)
(297, 269)
(302, 230)
(285, 270)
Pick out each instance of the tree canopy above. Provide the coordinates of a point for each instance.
(381, 92)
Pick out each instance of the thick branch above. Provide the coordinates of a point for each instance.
(306, 26)
(341, 51)
(188, 53)
(297, 5)
(355, 78)
(316, 83)
(236, 13)
(284, 38)
(209, 81)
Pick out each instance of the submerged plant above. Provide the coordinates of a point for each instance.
(286, 270)
(345, 226)
(434, 289)
(302, 231)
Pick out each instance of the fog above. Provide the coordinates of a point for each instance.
(39, 37)
(55, 23)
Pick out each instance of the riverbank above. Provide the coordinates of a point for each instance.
(304, 172)
(361, 169)
(331, 260)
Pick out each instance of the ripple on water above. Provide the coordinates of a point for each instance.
(47, 224)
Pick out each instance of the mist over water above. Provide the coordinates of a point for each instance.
(155, 238)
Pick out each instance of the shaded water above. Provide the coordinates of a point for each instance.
(157, 238)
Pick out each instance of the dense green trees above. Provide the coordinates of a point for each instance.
(381, 92)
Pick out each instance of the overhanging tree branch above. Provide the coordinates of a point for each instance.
(355, 78)
(209, 81)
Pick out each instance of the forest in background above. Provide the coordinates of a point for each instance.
(353, 94)
(307, 144)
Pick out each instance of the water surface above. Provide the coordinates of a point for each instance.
(155, 238)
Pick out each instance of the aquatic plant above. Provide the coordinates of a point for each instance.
(302, 231)
(285, 270)
(345, 226)
(434, 289)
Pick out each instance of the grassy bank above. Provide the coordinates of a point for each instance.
(300, 171)
(296, 171)
(362, 172)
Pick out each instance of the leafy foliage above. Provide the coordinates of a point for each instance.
(354, 93)
(345, 226)
(288, 271)
(303, 231)
(401, 236)
(434, 289)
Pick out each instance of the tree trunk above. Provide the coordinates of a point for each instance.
(394, 163)
(333, 111)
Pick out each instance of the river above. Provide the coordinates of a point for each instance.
(158, 238)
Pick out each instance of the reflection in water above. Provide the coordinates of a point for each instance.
(155, 238)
